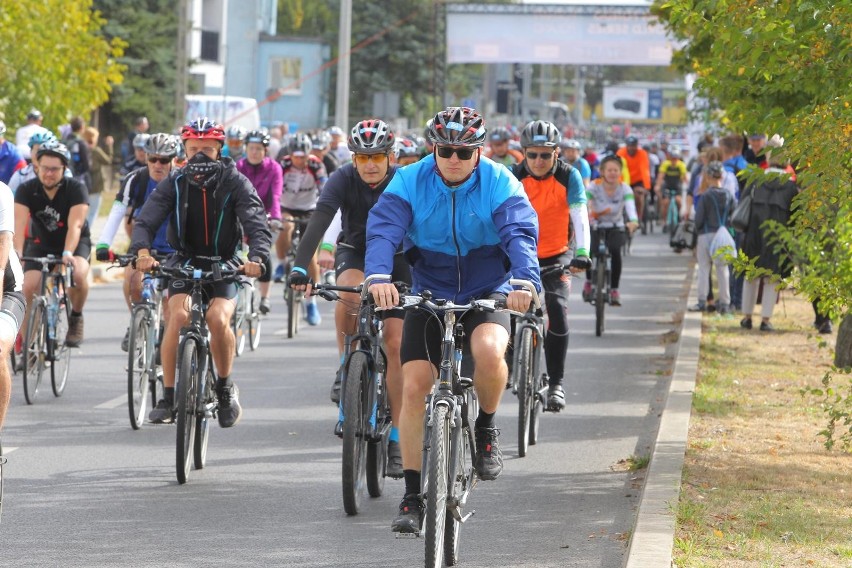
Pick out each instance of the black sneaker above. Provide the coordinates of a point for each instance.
(394, 468)
(555, 398)
(162, 413)
(338, 429)
(745, 323)
(335, 388)
(489, 459)
(410, 517)
(229, 411)
(825, 327)
(264, 307)
(766, 326)
(125, 343)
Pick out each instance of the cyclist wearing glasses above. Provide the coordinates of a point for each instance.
(466, 227)
(208, 204)
(57, 206)
(556, 191)
(160, 150)
(265, 175)
(304, 177)
(354, 190)
(12, 303)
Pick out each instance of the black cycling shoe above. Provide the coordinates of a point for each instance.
(338, 429)
(394, 467)
(335, 388)
(410, 517)
(555, 398)
(489, 458)
(162, 413)
(229, 411)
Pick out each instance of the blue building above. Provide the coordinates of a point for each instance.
(237, 54)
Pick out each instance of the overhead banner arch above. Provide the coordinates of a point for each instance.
(556, 34)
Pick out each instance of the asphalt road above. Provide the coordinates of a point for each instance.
(83, 489)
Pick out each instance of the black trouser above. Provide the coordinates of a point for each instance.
(557, 286)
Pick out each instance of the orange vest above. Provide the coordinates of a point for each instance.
(549, 198)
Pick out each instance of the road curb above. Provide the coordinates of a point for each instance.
(653, 536)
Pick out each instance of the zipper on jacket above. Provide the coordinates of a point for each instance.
(206, 228)
(458, 251)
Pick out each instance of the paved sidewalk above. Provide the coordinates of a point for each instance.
(653, 536)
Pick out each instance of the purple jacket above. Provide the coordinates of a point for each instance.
(267, 179)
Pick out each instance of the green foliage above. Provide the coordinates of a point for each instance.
(56, 59)
(309, 18)
(836, 402)
(149, 27)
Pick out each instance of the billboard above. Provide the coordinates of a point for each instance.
(555, 34)
(633, 103)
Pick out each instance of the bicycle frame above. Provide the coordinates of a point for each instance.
(197, 331)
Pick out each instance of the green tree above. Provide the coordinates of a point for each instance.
(149, 28)
(786, 67)
(56, 59)
(309, 18)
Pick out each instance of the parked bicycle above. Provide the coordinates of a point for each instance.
(293, 298)
(195, 391)
(144, 375)
(364, 404)
(44, 342)
(448, 474)
(528, 382)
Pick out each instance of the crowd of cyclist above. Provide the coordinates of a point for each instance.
(458, 210)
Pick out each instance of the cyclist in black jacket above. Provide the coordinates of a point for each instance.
(354, 189)
(212, 204)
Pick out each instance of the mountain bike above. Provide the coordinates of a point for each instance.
(196, 375)
(293, 298)
(144, 377)
(364, 403)
(528, 382)
(448, 474)
(47, 325)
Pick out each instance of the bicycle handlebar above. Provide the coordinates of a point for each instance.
(217, 274)
(51, 261)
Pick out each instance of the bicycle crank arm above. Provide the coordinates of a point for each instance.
(456, 512)
(408, 535)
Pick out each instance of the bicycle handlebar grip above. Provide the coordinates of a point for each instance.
(69, 270)
(527, 285)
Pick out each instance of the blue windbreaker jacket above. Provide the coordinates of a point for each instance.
(462, 243)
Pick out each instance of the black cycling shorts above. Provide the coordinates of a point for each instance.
(227, 290)
(34, 249)
(349, 258)
(423, 331)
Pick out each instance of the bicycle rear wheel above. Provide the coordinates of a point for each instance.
(140, 366)
(34, 350)
(436, 485)
(525, 382)
(253, 319)
(537, 407)
(202, 422)
(187, 387)
(377, 450)
(354, 426)
(600, 296)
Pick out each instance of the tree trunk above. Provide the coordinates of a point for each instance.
(843, 347)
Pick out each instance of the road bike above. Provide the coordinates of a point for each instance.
(144, 375)
(195, 387)
(448, 473)
(672, 212)
(293, 298)
(44, 342)
(528, 382)
(364, 403)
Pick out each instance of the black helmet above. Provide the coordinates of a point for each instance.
(540, 133)
(161, 144)
(299, 142)
(499, 134)
(54, 148)
(320, 140)
(371, 136)
(259, 136)
(631, 141)
(457, 126)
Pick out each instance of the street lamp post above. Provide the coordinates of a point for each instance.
(344, 43)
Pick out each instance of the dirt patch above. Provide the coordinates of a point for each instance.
(759, 489)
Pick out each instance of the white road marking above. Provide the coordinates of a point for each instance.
(114, 403)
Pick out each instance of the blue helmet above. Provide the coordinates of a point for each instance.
(41, 137)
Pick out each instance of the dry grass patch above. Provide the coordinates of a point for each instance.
(759, 489)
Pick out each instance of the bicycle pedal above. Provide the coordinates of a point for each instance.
(408, 535)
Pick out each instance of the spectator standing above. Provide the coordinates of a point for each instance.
(24, 133)
(712, 211)
(81, 167)
(101, 170)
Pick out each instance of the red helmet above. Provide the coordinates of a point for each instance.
(202, 128)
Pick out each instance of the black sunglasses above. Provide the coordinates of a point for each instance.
(164, 161)
(448, 151)
(542, 155)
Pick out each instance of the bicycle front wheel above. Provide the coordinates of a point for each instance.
(34, 350)
(140, 366)
(238, 323)
(436, 485)
(202, 422)
(354, 427)
(525, 382)
(60, 351)
(294, 305)
(600, 296)
(254, 321)
(187, 387)
(460, 479)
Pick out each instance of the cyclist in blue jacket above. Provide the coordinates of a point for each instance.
(466, 227)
